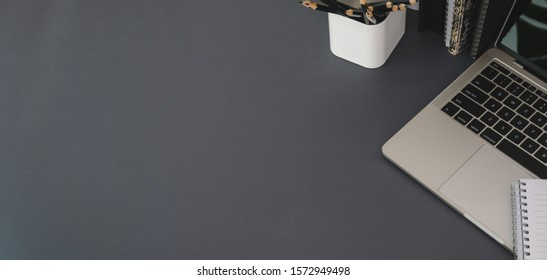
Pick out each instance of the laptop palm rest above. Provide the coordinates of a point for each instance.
(481, 188)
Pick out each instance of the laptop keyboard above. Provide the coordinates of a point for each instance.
(508, 112)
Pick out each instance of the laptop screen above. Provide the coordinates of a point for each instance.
(527, 38)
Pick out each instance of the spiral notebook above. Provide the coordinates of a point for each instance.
(530, 219)
(463, 23)
(448, 22)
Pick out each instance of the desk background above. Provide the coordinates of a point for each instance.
(207, 130)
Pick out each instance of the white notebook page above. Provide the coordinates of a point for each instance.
(534, 205)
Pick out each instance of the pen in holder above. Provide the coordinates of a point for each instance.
(365, 45)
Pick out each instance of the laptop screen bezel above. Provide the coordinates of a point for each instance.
(529, 66)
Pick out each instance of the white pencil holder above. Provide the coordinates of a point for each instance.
(365, 45)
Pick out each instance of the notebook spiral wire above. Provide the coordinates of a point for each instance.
(520, 225)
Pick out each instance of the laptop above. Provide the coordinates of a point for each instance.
(486, 130)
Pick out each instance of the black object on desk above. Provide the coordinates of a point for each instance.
(432, 15)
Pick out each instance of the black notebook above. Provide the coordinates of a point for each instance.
(490, 20)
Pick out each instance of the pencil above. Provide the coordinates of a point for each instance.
(389, 4)
(364, 9)
(343, 5)
(317, 7)
(352, 13)
(337, 6)
(371, 17)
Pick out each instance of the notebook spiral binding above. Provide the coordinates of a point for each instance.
(520, 226)
(448, 17)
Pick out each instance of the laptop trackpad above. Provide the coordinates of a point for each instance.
(482, 189)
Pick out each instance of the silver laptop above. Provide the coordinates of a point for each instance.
(485, 130)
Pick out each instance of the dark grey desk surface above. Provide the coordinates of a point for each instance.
(169, 130)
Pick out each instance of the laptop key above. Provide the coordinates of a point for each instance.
(541, 105)
(515, 78)
(502, 127)
(492, 105)
(475, 94)
(528, 86)
(491, 136)
(463, 117)
(541, 93)
(528, 97)
(539, 119)
(515, 136)
(468, 105)
(499, 94)
(489, 119)
(476, 126)
(523, 158)
(529, 145)
(450, 108)
(532, 131)
(506, 114)
(499, 68)
(489, 72)
(543, 140)
(502, 80)
(515, 89)
(519, 122)
(512, 102)
(541, 154)
(482, 83)
(525, 110)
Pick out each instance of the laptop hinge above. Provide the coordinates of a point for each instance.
(518, 64)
